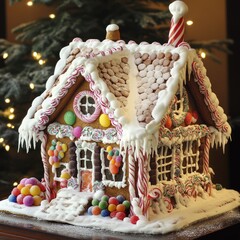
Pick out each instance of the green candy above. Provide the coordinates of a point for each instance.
(69, 118)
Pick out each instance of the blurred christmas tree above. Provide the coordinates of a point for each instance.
(29, 63)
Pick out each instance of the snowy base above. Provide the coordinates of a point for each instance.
(198, 209)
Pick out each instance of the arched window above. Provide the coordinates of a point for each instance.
(86, 107)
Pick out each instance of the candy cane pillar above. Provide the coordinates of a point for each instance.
(45, 166)
(178, 9)
(142, 182)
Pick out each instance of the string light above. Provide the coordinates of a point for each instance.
(1, 140)
(11, 116)
(7, 148)
(9, 125)
(203, 54)
(41, 62)
(15, 184)
(36, 55)
(11, 110)
(52, 15)
(189, 22)
(31, 85)
(5, 55)
(7, 100)
(29, 3)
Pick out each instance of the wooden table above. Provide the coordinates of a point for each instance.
(226, 226)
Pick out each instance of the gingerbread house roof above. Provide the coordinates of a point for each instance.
(134, 84)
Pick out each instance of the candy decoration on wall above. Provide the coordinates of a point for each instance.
(30, 192)
(56, 152)
(178, 9)
(86, 106)
(104, 120)
(69, 118)
(77, 131)
(115, 159)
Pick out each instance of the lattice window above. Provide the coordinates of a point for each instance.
(107, 176)
(85, 158)
(164, 163)
(190, 156)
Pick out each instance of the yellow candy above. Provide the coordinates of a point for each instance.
(65, 175)
(104, 120)
(35, 190)
(37, 200)
(109, 148)
(61, 154)
(56, 165)
(64, 147)
(25, 191)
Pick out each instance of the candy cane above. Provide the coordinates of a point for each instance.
(45, 166)
(178, 9)
(131, 178)
(142, 183)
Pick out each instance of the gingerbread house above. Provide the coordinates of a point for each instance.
(131, 119)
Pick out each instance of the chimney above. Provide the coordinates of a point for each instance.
(113, 32)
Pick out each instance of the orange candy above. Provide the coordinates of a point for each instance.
(113, 169)
(50, 153)
(168, 123)
(96, 210)
(121, 208)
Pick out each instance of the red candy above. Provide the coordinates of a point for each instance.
(113, 200)
(15, 191)
(134, 219)
(120, 215)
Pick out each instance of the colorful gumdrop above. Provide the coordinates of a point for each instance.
(104, 120)
(69, 118)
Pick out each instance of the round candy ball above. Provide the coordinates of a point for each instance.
(12, 198)
(25, 191)
(105, 213)
(28, 201)
(120, 215)
(104, 120)
(37, 200)
(15, 191)
(77, 132)
(120, 198)
(103, 204)
(113, 200)
(95, 202)
(35, 190)
(96, 210)
(69, 118)
(134, 219)
(20, 198)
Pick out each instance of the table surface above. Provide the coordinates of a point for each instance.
(16, 227)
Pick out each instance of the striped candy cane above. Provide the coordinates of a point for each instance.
(178, 9)
(45, 166)
(142, 183)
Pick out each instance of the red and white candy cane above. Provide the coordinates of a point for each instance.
(131, 178)
(178, 9)
(142, 183)
(45, 166)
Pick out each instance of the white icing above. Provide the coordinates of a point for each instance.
(178, 9)
(112, 27)
(69, 203)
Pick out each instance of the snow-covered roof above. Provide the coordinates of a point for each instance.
(134, 84)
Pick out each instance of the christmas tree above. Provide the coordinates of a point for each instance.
(28, 64)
